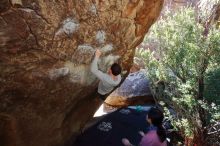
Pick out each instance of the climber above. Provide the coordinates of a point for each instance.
(107, 80)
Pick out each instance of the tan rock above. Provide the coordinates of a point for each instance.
(46, 87)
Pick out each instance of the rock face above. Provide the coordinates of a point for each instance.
(46, 47)
(135, 84)
(135, 90)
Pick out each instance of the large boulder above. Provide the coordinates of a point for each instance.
(46, 47)
(135, 90)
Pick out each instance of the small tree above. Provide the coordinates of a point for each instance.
(186, 56)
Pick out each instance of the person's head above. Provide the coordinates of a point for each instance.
(115, 69)
(155, 117)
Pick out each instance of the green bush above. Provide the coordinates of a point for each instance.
(212, 86)
(186, 62)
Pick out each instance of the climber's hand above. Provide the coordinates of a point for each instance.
(98, 53)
